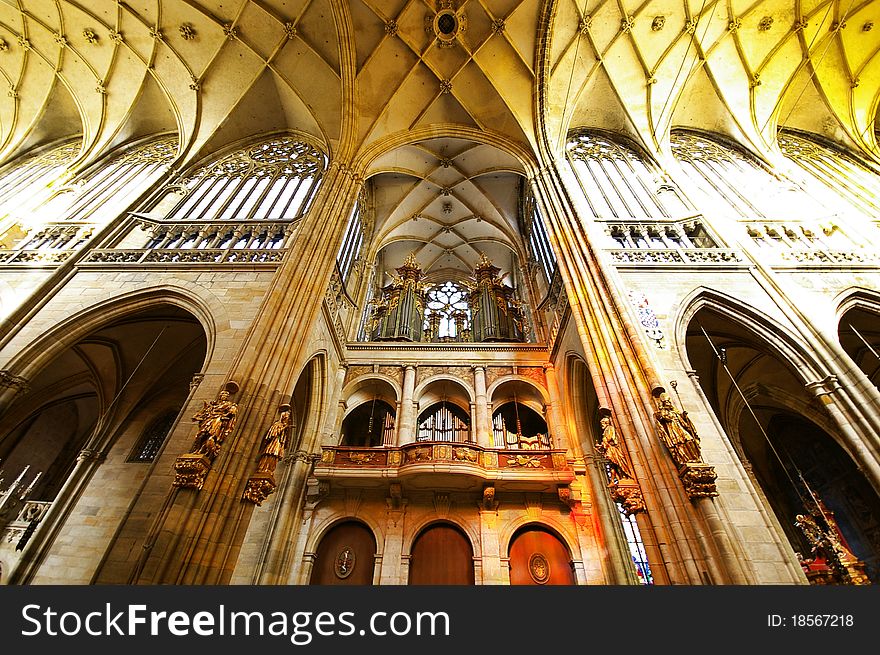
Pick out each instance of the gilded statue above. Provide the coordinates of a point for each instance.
(275, 442)
(678, 433)
(216, 421)
(613, 451)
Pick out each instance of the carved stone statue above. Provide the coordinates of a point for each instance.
(678, 433)
(611, 448)
(216, 421)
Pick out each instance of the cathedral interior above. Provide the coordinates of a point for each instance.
(390, 292)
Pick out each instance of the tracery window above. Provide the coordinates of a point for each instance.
(618, 183)
(26, 184)
(735, 184)
(272, 180)
(447, 312)
(845, 183)
(115, 184)
(444, 421)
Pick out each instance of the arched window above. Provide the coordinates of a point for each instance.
(537, 239)
(272, 180)
(26, 184)
(618, 183)
(515, 425)
(737, 185)
(114, 184)
(444, 421)
(152, 438)
(370, 424)
(351, 243)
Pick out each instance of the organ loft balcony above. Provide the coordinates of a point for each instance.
(428, 465)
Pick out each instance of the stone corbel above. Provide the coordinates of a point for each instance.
(11, 381)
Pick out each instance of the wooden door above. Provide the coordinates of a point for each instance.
(538, 557)
(441, 555)
(346, 556)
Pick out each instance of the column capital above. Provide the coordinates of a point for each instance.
(827, 385)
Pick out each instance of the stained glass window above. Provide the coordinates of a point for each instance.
(447, 312)
(152, 438)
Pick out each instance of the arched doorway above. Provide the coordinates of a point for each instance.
(441, 555)
(346, 556)
(787, 441)
(539, 557)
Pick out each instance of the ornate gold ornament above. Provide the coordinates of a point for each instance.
(526, 461)
(539, 568)
(464, 455)
(344, 563)
(216, 421)
(262, 482)
(698, 480)
(361, 458)
(629, 495)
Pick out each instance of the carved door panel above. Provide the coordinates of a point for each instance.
(538, 557)
(346, 556)
(441, 555)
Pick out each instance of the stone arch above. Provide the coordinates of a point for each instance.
(387, 388)
(779, 337)
(539, 392)
(41, 350)
(423, 400)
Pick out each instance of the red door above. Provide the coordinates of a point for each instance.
(346, 556)
(441, 555)
(540, 558)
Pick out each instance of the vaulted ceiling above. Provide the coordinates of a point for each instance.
(366, 76)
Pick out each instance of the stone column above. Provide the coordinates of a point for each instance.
(406, 431)
(482, 433)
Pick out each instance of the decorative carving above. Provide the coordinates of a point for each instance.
(196, 381)
(565, 496)
(465, 455)
(441, 504)
(3, 45)
(216, 421)
(229, 31)
(421, 454)
(539, 568)
(490, 459)
(290, 30)
(391, 27)
(658, 23)
(498, 26)
(698, 480)
(629, 495)
(765, 23)
(395, 458)
(90, 36)
(535, 373)
(187, 32)
(328, 455)
(442, 452)
(190, 471)
(361, 458)
(445, 87)
(489, 498)
(344, 563)
(262, 482)
(526, 461)
(11, 381)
